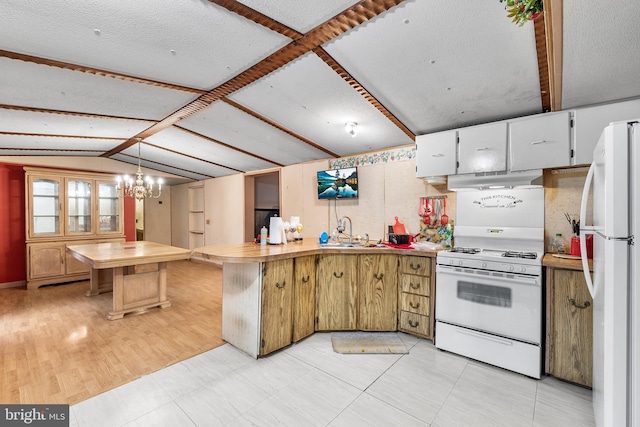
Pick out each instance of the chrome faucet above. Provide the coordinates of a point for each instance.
(341, 227)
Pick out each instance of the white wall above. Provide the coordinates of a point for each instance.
(299, 197)
(180, 216)
(224, 210)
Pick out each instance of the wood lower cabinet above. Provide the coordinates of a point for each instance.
(304, 297)
(416, 295)
(569, 326)
(337, 293)
(276, 324)
(45, 260)
(378, 292)
(49, 263)
(268, 305)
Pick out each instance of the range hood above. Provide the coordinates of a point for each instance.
(494, 180)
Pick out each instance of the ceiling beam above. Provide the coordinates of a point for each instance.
(276, 125)
(553, 31)
(338, 69)
(96, 71)
(50, 135)
(135, 162)
(215, 141)
(543, 64)
(69, 113)
(548, 35)
(185, 155)
(339, 24)
(258, 18)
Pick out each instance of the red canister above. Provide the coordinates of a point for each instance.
(575, 246)
(590, 246)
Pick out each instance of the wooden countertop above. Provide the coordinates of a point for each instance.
(253, 252)
(568, 264)
(123, 254)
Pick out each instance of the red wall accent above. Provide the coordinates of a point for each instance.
(13, 255)
(13, 264)
(130, 219)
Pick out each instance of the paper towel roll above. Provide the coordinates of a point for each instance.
(275, 230)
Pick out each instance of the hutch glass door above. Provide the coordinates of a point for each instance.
(109, 207)
(79, 206)
(46, 206)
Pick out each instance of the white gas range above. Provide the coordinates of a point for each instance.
(489, 287)
(509, 261)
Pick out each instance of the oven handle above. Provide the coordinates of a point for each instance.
(516, 279)
(485, 337)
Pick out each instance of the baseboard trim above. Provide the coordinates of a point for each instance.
(18, 284)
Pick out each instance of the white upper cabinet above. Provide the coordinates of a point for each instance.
(539, 142)
(591, 121)
(483, 148)
(436, 154)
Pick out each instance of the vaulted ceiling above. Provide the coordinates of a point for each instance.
(204, 89)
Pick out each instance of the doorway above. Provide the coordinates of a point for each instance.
(262, 201)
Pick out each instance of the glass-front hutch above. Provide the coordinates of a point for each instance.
(67, 208)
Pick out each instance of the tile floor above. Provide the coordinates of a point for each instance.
(308, 384)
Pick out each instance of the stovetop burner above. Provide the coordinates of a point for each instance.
(461, 250)
(515, 254)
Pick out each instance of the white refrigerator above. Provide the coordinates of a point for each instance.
(615, 177)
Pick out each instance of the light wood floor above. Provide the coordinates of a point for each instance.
(56, 346)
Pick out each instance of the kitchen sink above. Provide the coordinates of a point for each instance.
(345, 245)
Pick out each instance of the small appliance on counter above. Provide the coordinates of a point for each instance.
(276, 231)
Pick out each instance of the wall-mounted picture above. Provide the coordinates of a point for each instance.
(338, 184)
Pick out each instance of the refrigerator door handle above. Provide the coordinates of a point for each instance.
(586, 230)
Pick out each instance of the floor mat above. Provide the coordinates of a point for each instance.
(367, 342)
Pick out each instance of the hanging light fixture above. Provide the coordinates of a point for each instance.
(139, 187)
(350, 128)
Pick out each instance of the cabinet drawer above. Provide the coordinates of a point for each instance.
(415, 284)
(414, 323)
(415, 265)
(414, 303)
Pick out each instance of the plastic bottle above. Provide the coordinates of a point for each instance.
(560, 244)
(557, 244)
(263, 235)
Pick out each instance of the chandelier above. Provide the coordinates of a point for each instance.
(139, 187)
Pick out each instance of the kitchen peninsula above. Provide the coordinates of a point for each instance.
(274, 295)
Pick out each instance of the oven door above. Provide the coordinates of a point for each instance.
(499, 303)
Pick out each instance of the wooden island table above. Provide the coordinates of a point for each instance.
(136, 272)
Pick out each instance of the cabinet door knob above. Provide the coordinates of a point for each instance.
(305, 279)
(378, 276)
(573, 303)
(415, 267)
(338, 276)
(280, 286)
(414, 285)
(412, 305)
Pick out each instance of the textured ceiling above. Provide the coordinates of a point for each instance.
(212, 88)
